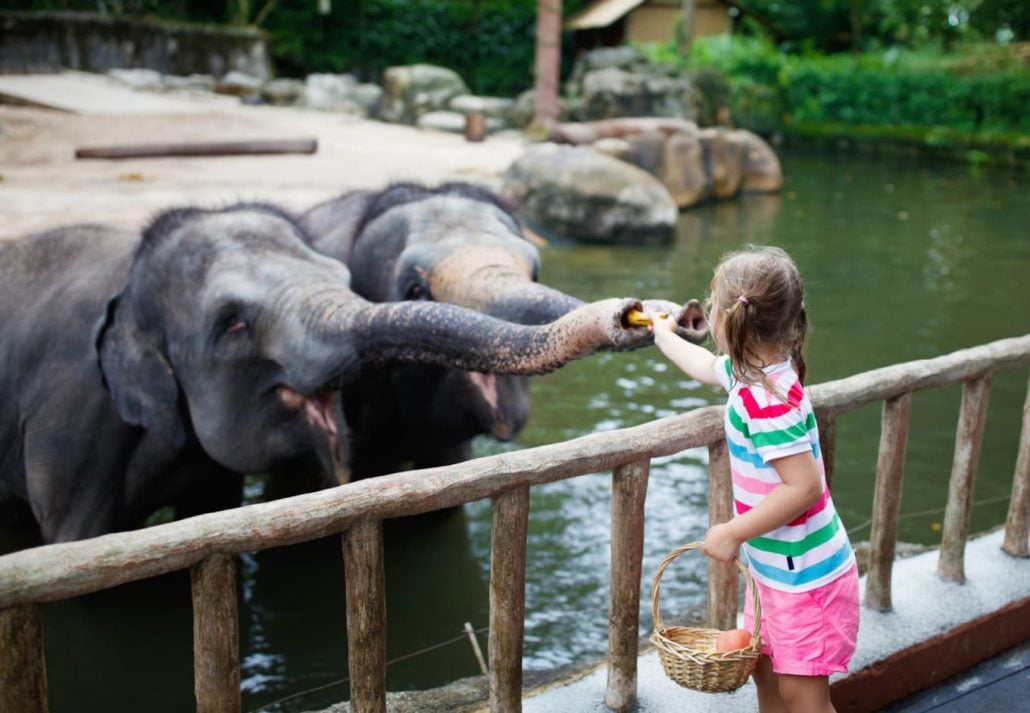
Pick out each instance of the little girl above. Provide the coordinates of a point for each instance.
(797, 550)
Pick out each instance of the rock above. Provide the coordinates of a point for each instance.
(192, 82)
(328, 91)
(761, 169)
(283, 92)
(615, 92)
(724, 161)
(138, 78)
(368, 96)
(491, 107)
(616, 148)
(239, 84)
(452, 121)
(412, 90)
(683, 169)
(583, 194)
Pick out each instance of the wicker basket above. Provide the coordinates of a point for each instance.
(688, 654)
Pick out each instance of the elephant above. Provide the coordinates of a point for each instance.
(152, 368)
(461, 244)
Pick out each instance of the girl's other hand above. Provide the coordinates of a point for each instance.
(720, 543)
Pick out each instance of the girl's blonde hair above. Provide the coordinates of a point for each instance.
(761, 303)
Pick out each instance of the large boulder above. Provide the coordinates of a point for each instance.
(583, 194)
(410, 91)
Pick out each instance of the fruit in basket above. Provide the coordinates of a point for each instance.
(732, 640)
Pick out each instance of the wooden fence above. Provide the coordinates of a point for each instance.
(208, 544)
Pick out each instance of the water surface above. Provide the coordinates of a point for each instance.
(902, 260)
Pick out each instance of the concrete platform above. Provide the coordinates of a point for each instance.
(85, 93)
(924, 607)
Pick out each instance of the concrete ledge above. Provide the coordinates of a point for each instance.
(911, 646)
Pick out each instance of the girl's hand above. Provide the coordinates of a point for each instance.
(720, 543)
(661, 322)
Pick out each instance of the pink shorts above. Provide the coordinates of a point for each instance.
(809, 633)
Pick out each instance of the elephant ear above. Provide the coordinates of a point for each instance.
(140, 379)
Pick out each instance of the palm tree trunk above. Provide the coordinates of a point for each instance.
(548, 62)
(687, 28)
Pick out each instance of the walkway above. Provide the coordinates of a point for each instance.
(924, 606)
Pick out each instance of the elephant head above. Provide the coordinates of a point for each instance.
(458, 244)
(233, 330)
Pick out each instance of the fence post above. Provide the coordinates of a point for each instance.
(366, 616)
(629, 489)
(723, 577)
(968, 438)
(216, 637)
(22, 664)
(507, 598)
(1017, 524)
(827, 424)
(890, 470)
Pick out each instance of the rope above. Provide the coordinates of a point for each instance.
(921, 513)
(404, 657)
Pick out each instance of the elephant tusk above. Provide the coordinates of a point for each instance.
(637, 318)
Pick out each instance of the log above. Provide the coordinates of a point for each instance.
(629, 489)
(55, 572)
(890, 469)
(23, 685)
(199, 148)
(507, 599)
(1017, 523)
(216, 635)
(366, 616)
(723, 577)
(959, 508)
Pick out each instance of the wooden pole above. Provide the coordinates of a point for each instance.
(723, 577)
(629, 489)
(23, 687)
(1017, 524)
(827, 424)
(547, 65)
(366, 616)
(890, 469)
(199, 148)
(216, 638)
(968, 438)
(507, 599)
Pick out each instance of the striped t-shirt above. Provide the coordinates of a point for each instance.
(813, 549)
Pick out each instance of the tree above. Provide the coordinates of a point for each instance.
(687, 28)
(547, 65)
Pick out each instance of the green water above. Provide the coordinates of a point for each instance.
(902, 260)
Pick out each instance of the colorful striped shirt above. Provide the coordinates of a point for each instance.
(813, 549)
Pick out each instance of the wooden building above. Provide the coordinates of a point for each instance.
(606, 23)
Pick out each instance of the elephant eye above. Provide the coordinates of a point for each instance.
(235, 325)
(416, 292)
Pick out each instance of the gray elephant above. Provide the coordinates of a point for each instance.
(460, 244)
(143, 371)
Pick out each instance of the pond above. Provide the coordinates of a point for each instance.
(902, 259)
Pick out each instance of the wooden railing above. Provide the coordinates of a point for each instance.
(208, 544)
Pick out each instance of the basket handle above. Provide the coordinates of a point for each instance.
(655, 587)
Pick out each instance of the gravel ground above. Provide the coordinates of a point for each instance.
(42, 185)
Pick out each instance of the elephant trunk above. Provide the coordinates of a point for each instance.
(499, 283)
(453, 337)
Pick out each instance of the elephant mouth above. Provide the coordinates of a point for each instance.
(318, 408)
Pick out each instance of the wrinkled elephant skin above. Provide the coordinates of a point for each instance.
(458, 244)
(144, 371)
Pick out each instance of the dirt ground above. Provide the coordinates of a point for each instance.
(42, 185)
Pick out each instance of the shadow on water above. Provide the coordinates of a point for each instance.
(902, 260)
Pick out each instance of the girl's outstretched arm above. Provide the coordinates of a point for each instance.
(696, 362)
(801, 489)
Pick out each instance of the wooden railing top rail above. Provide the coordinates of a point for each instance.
(70, 569)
